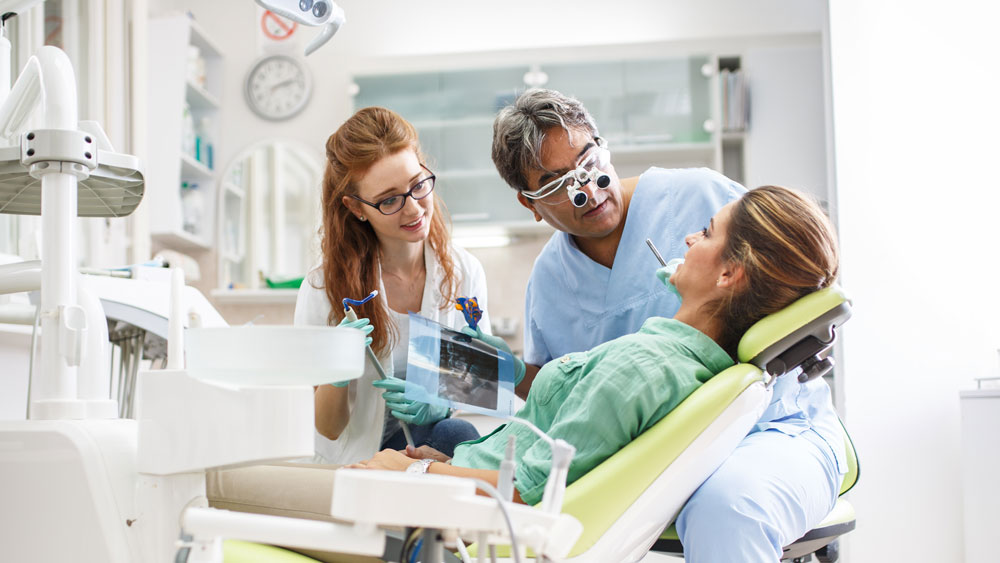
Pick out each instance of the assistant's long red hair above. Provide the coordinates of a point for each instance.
(350, 247)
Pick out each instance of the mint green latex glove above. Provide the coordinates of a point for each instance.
(364, 325)
(405, 409)
(498, 343)
(663, 274)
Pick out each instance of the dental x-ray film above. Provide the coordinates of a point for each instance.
(452, 369)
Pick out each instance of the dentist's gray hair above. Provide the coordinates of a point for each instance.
(519, 131)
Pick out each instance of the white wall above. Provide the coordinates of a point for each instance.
(376, 30)
(915, 122)
(786, 143)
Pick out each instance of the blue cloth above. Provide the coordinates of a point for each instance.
(771, 491)
(574, 304)
(443, 435)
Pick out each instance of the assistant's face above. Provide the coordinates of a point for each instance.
(604, 210)
(391, 176)
(703, 267)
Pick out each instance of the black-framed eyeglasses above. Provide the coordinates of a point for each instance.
(394, 203)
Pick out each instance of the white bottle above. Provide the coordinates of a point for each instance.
(187, 131)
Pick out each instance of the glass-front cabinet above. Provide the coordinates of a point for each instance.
(652, 112)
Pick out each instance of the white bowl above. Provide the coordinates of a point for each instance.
(274, 355)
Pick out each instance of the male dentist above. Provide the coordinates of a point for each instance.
(594, 281)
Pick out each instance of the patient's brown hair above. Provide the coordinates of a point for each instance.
(787, 248)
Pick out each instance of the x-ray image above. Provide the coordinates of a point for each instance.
(449, 368)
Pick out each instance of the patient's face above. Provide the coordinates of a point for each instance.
(703, 267)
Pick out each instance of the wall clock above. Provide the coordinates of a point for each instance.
(278, 87)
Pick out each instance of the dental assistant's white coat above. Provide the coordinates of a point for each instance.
(362, 437)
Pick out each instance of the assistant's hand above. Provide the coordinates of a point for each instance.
(498, 343)
(391, 460)
(405, 409)
(364, 325)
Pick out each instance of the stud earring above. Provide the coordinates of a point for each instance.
(362, 218)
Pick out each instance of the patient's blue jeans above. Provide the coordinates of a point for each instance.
(443, 435)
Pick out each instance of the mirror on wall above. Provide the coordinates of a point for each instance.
(269, 213)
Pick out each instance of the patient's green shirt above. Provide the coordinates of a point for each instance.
(600, 400)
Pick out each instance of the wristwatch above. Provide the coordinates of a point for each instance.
(419, 466)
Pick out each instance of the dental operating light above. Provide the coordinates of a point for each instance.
(312, 13)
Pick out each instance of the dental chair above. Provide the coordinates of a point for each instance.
(626, 502)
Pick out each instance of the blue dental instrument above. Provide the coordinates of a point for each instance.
(352, 316)
(469, 306)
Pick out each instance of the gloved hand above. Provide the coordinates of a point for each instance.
(405, 409)
(663, 274)
(365, 327)
(498, 343)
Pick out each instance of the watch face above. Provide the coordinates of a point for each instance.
(277, 87)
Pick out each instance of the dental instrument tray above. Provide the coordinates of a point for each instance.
(274, 355)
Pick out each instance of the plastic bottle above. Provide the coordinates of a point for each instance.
(192, 207)
(187, 131)
(203, 147)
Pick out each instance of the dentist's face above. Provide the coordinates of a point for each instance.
(562, 152)
(395, 175)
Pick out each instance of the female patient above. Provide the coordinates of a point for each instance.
(758, 255)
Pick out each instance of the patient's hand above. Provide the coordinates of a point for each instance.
(426, 452)
(391, 460)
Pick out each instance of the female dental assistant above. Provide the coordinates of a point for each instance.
(383, 229)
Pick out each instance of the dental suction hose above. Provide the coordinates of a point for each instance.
(562, 456)
(352, 316)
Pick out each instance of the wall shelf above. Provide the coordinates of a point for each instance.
(200, 98)
(177, 97)
(182, 240)
(191, 169)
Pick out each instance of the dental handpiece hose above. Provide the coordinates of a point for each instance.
(351, 317)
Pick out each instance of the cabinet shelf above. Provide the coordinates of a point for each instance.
(254, 296)
(201, 40)
(193, 170)
(182, 240)
(234, 189)
(460, 122)
(659, 148)
(177, 101)
(459, 173)
(199, 98)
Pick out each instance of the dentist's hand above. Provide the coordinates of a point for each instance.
(405, 409)
(498, 343)
(366, 328)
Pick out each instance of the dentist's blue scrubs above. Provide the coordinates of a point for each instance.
(784, 477)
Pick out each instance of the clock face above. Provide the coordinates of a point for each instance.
(277, 87)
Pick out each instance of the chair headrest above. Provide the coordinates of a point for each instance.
(816, 315)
